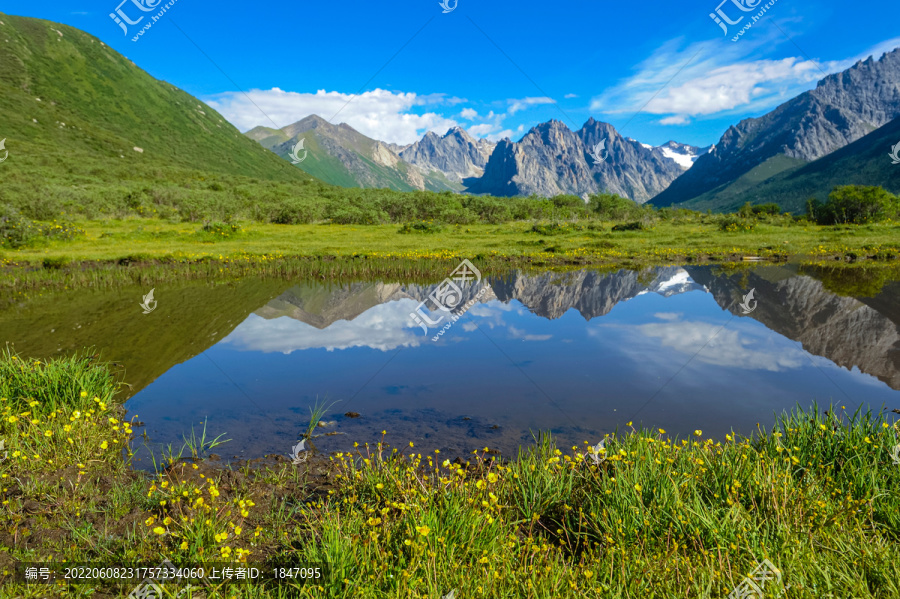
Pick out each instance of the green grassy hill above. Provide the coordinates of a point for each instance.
(733, 195)
(790, 182)
(73, 110)
(340, 155)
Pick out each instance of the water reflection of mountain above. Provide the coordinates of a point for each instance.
(593, 294)
(850, 332)
(193, 316)
(549, 295)
(864, 332)
(321, 306)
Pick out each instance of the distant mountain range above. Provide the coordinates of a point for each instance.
(761, 159)
(785, 156)
(684, 155)
(549, 160)
(457, 155)
(552, 159)
(863, 162)
(838, 133)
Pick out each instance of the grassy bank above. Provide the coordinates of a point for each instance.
(161, 249)
(819, 496)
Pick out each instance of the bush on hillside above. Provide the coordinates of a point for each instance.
(555, 228)
(356, 215)
(610, 206)
(489, 209)
(217, 230)
(297, 211)
(760, 210)
(854, 204)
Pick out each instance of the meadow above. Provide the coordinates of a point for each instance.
(84, 234)
(145, 251)
(647, 515)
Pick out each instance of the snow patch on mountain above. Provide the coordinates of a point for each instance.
(685, 161)
(682, 154)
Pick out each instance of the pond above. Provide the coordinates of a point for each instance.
(580, 354)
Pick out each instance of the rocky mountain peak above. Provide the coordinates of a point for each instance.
(551, 159)
(455, 154)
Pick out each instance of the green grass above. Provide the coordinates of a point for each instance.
(67, 94)
(818, 495)
(527, 241)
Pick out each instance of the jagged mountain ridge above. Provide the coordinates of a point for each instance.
(551, 159)
(592, 294)
(842, 108)
(456, 154)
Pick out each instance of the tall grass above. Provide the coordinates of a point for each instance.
(199, 445)
(54, 384)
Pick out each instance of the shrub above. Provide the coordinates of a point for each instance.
(610, 206)
(357, 215)
(218, 230)
(421, 227)
(55, 263)
(554, 228)
(854, 204)
(15, 230)
(632, 226)
(293, 212)
(733, 224)
(769, 209)
(567, 201)
(531, 208)
(678, 215)
(489, 209)
(760, 210)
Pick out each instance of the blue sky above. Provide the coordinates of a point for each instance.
(655, 70)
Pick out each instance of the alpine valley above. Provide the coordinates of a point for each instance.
(837, 133)
(549, 160)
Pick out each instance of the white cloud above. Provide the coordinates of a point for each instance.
(516, 333)
(515, 105)
(500, 135)
(747, 349)
(481, 130)
(570, 96)
(715, 81)
(667, 315)
(733, 86)
(492, 129)
(380, 114)
(385, 327)
(468, 113)
(719, 79)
